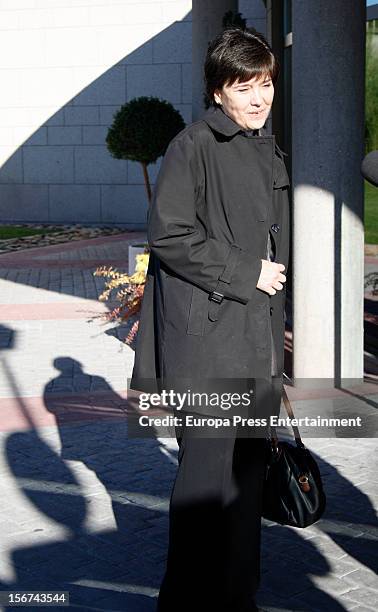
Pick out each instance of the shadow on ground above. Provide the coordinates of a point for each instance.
(121, 567)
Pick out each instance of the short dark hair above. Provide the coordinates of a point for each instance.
(237, 54)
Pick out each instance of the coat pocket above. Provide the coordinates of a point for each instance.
(197, 312)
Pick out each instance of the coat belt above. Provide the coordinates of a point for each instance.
(216, 297)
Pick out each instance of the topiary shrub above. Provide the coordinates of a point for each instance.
(142, 130)
(233, 19)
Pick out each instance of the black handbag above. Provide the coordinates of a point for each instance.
(293, 490)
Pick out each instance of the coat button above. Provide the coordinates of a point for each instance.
(271, 310)
(275, 227)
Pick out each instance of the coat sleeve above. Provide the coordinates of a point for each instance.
(181, 243)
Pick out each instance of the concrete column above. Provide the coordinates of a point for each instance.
(328, 230)
(207, 23)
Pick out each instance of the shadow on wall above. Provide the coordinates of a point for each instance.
(64, 173)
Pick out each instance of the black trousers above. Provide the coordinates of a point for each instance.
(213, 561)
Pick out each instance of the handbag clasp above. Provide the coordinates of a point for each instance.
(304, 483)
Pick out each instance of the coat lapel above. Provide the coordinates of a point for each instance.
(246, 165)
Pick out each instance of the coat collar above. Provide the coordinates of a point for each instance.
(217, 119)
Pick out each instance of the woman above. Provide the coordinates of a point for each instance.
(213, 311)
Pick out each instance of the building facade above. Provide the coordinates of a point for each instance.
(66, 69)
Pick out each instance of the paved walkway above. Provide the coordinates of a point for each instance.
(84, 508)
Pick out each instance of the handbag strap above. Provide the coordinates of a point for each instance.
(290, 413)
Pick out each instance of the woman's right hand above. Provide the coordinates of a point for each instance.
(270, 278)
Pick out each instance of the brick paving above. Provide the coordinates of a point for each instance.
(84, 507)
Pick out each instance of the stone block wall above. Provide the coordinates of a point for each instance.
(66, 67)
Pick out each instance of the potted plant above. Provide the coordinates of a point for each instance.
(129, 293)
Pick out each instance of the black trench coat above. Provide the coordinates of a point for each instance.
(218, 193)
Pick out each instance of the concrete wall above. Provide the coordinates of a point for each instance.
(254, 11)
(66, 67)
